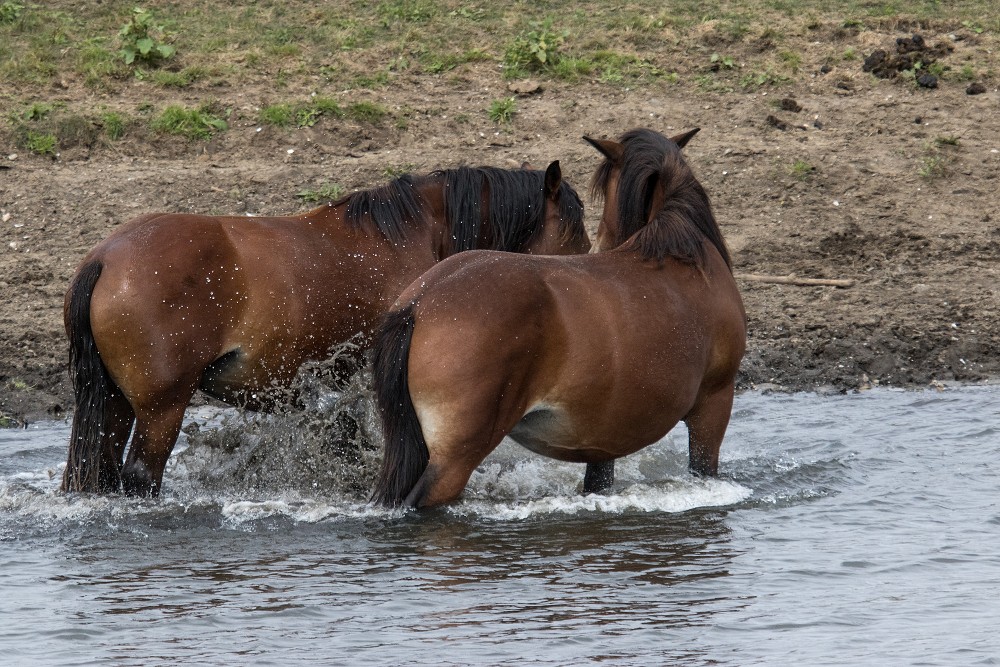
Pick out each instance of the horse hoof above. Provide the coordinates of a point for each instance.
(137, 481)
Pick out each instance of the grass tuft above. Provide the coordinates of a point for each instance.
(325, 192)
(502, 111)
(199, 123)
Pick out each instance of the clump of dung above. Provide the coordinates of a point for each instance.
(912, 54)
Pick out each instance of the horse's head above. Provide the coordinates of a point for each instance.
(605, 186)
(563, 231)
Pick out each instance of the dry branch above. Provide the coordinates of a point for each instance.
(795, 280)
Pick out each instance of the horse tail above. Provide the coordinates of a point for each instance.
(406, 454)
(88, 467)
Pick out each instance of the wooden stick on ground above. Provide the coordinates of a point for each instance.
(795, 280)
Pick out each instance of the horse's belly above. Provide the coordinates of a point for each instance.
(547, 431)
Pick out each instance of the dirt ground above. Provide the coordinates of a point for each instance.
(882, 182)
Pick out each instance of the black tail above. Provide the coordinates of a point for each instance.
(89, 467)
(406, 453)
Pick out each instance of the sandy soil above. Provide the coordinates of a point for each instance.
(882, 196)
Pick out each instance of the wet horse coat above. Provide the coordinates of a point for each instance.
(585, 358)
(172, 303)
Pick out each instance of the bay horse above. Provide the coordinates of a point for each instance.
(580, 358)
(171, 303)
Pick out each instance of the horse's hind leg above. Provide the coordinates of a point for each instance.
(114, 439)
(444, 479)
(454, 452)
(156, 431)
(707, 423)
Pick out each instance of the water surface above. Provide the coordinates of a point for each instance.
(858, 529)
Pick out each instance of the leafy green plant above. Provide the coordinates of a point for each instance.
(399, 170)
(142, 39)
(974, 27)
(502, 111)
(932, 166)
(319, 106)
(760, 79)
(200, 123)
(325, 192)
(534, 50)
(37, 111)
(10, 11)
(721, 62)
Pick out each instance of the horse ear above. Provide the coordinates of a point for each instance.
(682, 139)
(553, 179)
(609, 149)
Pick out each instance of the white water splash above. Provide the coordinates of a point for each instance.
(678, 496)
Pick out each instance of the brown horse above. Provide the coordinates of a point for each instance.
(171, 303)
(584, 358)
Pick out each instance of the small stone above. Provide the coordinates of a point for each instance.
(975, 89)
(526, 87)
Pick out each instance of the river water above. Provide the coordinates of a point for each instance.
(857, 529)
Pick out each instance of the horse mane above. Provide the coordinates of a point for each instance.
(516, 207)
(388, 208)
(678, 229)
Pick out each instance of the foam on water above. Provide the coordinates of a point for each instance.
(678, 496)
(511, 484)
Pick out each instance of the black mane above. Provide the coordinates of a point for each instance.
(516, 207)
(677, 230)
(387, 207)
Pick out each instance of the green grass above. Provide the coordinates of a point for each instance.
(199, 123)
(323, 193)
(938, 157)
(42, 143)
(367, 112)
(933, 166)
(218, 50)
(502, 111)
(10, 11)
(114, 125)
(398, 170)
(801, 170)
